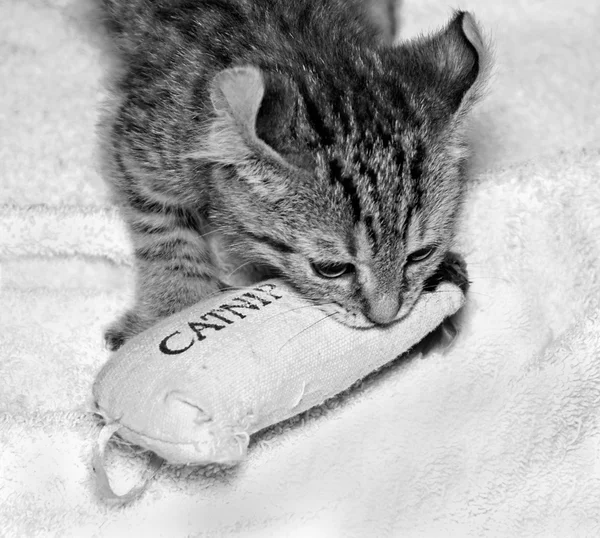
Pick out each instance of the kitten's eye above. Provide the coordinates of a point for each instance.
(332, 270)
(420, 255)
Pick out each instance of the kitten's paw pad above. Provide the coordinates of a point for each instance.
(126, 327)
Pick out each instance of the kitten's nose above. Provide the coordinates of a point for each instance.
(384, 309)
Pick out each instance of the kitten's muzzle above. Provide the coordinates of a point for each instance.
(384, 309)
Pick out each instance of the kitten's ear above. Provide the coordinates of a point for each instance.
(238, 93)
(454, 63)
(254, 111)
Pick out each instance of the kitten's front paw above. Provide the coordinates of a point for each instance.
(126, 327)
(452, 269)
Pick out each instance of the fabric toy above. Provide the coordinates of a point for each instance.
(193, 388)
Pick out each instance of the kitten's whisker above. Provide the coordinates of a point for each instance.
(306, 329)
(297, 308)
(206, 234)
(218, 229)
(220, 291)
(238, 268)
(482, 264)
(492, 278)
(240, 244)
(469, 292)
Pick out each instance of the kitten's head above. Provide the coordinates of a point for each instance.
(348, 179)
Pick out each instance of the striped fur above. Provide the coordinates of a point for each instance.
(249, 138)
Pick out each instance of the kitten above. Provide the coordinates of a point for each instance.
(257, 138)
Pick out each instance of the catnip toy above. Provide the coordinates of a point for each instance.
(193, 388)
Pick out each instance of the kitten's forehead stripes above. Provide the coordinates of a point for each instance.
(416, 171)
(412, 185)
(370, 127)
(416, 165)
(363, 175)
(366, 171)
(337, 175)
(399, 160)
(325, 133)
(349, 103)
(406, 225)
(371, 233)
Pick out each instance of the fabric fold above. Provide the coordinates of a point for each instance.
(499, 434)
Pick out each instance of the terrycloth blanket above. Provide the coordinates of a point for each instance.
(497, 437)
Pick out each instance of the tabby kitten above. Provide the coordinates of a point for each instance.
(252, 138)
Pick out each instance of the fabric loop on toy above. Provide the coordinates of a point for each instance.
(105, 489)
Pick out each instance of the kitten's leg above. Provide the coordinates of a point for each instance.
(175, 269)
(452, 269)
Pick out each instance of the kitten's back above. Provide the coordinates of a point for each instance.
(233, 29)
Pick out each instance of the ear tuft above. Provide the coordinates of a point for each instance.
(453, 63)
(457, 57)
(476, 63)
(460, 57)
